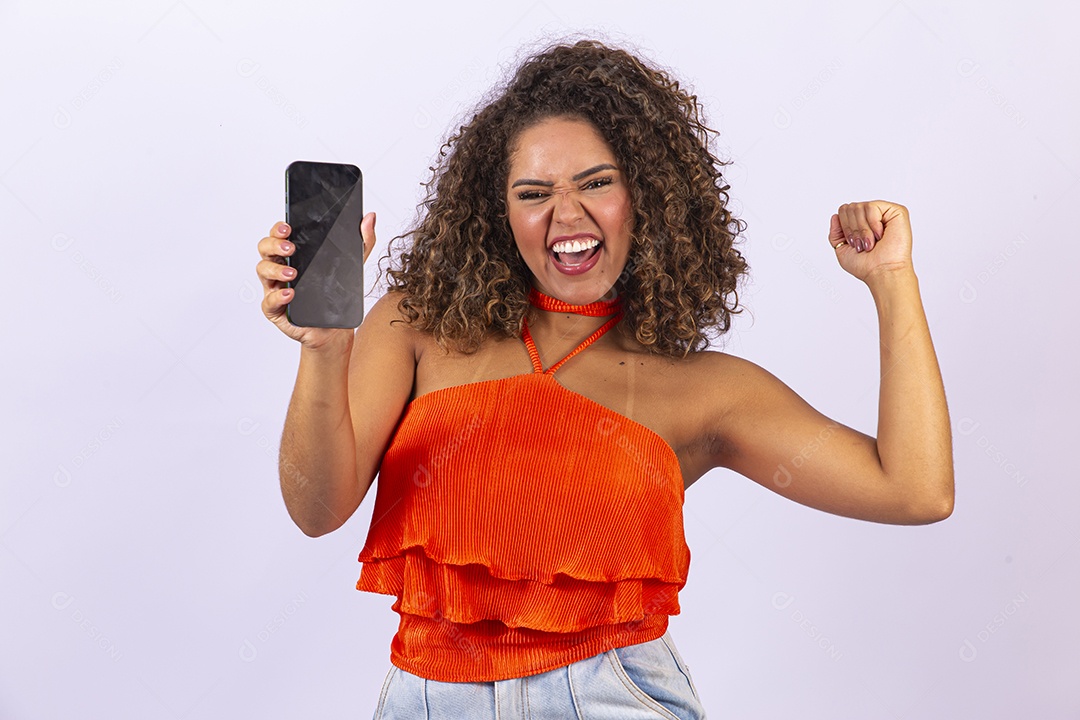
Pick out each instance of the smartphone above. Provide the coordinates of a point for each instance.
(324, 206)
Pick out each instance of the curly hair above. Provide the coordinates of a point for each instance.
(463, 280)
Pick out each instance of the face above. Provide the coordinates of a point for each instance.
(569, 209)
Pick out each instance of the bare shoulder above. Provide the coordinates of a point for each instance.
(731, 375)
(387, 327)
(719, 375)
(693, 400)
(710, 379)
(716, 393)
(731, 383)
(388, 307)
(382, 368)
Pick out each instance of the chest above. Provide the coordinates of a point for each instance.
(653, 392)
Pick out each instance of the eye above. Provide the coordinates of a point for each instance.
(597, 183)
(530, 195)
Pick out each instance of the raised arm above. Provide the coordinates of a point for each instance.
(350, 391)
(771, 435)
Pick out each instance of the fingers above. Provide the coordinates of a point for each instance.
(836, 232)
(892, 214)
(276, 244)
(274, 302)
(273, 273)
(367, 232)
(860, 226)
(274, 249)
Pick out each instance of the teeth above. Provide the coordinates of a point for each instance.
(574, 246)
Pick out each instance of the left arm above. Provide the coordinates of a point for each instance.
(905, 476)
(914, 438)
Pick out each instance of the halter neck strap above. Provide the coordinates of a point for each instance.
(599, 308)
(534, 354)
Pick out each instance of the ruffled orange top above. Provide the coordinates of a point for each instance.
(523, 527)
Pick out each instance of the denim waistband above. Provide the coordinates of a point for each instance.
(646, 680)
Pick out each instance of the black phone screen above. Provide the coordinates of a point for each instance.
(324, 205)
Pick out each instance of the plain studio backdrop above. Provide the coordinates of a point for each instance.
(147, 564)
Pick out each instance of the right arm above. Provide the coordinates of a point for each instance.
(350, 392)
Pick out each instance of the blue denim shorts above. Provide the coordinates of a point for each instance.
(647, 680)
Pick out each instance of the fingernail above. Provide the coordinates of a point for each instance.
(283, 228)
(286, 246)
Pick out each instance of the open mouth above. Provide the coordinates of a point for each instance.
(574, 253)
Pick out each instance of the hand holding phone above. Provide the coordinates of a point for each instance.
(275, 274)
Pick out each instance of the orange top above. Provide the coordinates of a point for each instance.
(523, 527)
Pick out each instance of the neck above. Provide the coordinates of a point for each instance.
(606, 306)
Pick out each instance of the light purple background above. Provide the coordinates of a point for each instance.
(147, 565)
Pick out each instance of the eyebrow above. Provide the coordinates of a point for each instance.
(579, 176)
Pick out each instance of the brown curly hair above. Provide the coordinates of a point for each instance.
(463, 280)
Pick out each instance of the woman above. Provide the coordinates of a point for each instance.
(529, 520)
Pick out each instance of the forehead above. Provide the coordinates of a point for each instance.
(559, 145)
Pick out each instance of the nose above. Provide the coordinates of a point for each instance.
(568, 208)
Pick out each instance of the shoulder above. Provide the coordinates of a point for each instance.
(714, 364)
(696, 371)
(703, 366)
(728, 382)
(698, 401)
(390, 320)
(387, 326)
(388, 307)
(722, 407)
(724, 389)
